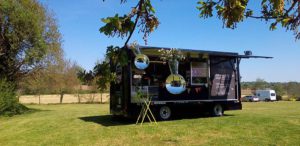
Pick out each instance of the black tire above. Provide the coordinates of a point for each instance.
(217, 110)
(164, 113)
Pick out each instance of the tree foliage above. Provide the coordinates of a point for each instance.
(260, 84)
(293, 89)
(55, 79)
(86, 78)
(142, 16)
(103, 76)
(231, 12)
(29, 42)
(279, 88)
(29, 38)
(289, 89)
(116, 55)
(8, 101)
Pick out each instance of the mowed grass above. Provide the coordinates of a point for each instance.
(263, 123)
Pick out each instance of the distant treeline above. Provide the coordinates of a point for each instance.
(289, 89)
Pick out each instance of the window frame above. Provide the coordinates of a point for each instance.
(206, 62)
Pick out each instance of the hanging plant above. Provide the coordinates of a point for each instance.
(175, 83)
(141, 61)
(135, 48)
(172, 56)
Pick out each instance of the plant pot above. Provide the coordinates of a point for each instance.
(173, 65)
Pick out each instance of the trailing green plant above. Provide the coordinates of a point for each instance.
(135, 48)
(171, 54)
(140, 94)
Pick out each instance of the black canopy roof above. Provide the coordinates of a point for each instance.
(153, 51)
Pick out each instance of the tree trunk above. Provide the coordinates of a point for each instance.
(61, 97)
(101, 97)
(78, 96)
(93, 97)
(78, 93)
(39, 98)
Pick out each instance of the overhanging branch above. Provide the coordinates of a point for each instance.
(136, 20)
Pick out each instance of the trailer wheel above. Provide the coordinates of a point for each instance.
(217, 110)
(165, 112)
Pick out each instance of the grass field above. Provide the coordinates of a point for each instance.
(271, 123)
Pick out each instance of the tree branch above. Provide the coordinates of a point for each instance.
(135, 22)
(276, 17)
(263, 17)
(292, 6)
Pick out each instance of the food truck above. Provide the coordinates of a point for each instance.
(207, 81)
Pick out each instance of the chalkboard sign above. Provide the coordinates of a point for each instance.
(222, 78)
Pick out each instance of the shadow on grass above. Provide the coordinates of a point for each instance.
(109, 120)
(23, 112)
(196, 116)
(37, 110)
(34, 110)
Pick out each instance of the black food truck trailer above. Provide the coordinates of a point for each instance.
(212, 83)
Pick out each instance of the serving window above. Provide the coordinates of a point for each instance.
(199, 73)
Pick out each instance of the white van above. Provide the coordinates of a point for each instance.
(266, 95)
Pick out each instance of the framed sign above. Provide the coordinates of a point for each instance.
(199, 73)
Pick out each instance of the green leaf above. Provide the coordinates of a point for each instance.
(218, 7)
(249, 13)
(263, 2)
(273, 26)
(107, 20)
(200, 2)
(152, 10)
(285, 21)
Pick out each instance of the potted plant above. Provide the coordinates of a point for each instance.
(172, 56)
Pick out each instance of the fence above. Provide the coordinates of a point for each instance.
(67, 98)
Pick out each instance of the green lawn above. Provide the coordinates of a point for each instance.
(271, 123)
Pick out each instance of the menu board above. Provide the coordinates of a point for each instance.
(222, 78)
(221, 84)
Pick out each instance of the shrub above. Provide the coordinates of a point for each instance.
(8, 101)
(292, 98)
(278, 97)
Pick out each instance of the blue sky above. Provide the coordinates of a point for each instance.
(79, 22)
